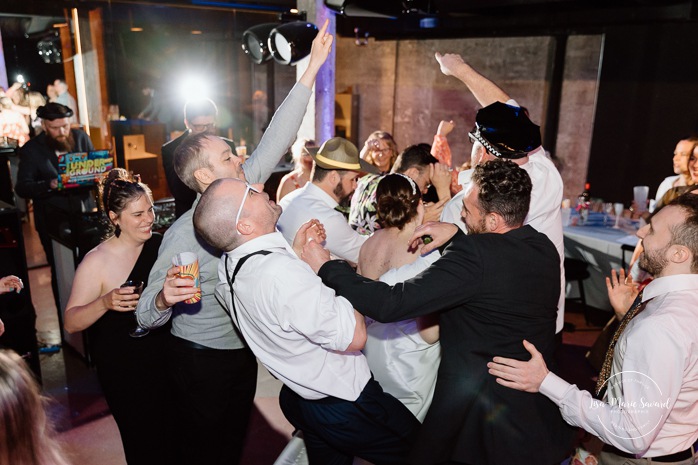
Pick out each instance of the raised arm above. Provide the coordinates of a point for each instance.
(284, 126)
(485, 91)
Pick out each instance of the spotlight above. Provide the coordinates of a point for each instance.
(292, 42)
(48, 51)
(389, 9)
(194, 88)
(254, 42)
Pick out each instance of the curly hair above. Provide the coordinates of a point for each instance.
(505, 189)
(397, 199)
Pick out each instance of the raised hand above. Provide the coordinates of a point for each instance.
(445, 128)
(622, 291)
(449, 63)
(322, 46)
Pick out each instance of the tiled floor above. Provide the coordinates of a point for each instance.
(88, 430)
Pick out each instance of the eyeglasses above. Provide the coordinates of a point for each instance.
(203, 127)
(248, 188)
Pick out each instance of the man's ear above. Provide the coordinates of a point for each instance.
(493, 222)
(245, 227)
(679, 254)
(204, 176)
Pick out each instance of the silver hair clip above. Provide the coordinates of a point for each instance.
(414, 186)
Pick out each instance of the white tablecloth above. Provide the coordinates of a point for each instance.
(600, 248)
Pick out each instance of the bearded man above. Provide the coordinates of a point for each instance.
(37, 178)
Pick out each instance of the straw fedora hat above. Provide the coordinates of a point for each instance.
(340, 154)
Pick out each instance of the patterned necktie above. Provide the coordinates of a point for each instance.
(605, 373)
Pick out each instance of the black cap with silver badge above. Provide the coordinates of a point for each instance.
(505, 131)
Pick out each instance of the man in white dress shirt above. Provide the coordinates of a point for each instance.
(652, 390)
(303, 333)
(333, 182)
(503, 130)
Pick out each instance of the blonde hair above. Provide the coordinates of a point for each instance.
(26, 436)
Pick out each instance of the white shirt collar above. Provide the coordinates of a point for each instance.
(666, 284)
(318, 193)
(269, 241)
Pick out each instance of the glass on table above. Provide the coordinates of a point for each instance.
(619, 208)
(608, 210)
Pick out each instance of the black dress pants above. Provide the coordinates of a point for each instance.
(375, 427)
(214, 392)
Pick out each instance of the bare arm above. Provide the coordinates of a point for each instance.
(485, 91)
(88, 300)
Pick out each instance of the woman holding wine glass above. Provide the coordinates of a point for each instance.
(102, 301)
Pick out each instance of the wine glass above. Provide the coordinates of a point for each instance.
(138, 331)
(618, 207)
(608, 211)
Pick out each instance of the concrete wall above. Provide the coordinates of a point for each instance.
(402, 90)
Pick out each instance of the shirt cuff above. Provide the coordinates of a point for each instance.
(554, 387)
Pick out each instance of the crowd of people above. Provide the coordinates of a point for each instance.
(411, 311)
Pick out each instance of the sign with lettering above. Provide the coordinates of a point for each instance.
(83, 169)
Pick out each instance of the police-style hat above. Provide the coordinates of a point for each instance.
(505, 131)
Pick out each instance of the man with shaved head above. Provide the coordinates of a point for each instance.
(304, 334)
(214, 374)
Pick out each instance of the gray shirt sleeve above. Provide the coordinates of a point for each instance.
(279, 135)
(147, 314)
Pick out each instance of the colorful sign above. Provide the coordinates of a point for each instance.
(83, 169)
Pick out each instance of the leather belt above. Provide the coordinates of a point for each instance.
(676, 457)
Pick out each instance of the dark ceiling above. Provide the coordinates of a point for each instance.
(402, 18)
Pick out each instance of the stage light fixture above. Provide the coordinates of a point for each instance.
(291, 42)
(387, 9)
(254, 42)
(49, 51)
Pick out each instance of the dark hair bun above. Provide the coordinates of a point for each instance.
(397, 200)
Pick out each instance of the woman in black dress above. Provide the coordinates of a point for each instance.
(131, 370)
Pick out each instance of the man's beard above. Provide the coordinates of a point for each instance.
(479, 228)
(66, 144)
(341, 194)
(653, 262)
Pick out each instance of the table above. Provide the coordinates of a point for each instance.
(600, 247)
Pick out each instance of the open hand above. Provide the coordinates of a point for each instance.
(622, 291)
(522, 376)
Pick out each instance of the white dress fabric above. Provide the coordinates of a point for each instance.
(400, 360)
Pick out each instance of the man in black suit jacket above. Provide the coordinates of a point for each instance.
(199, 117)
(37, 177)
(493, 287)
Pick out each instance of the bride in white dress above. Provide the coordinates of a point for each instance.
(403, 356)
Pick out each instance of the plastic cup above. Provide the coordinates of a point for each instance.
(188, 264)
(640, 194)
